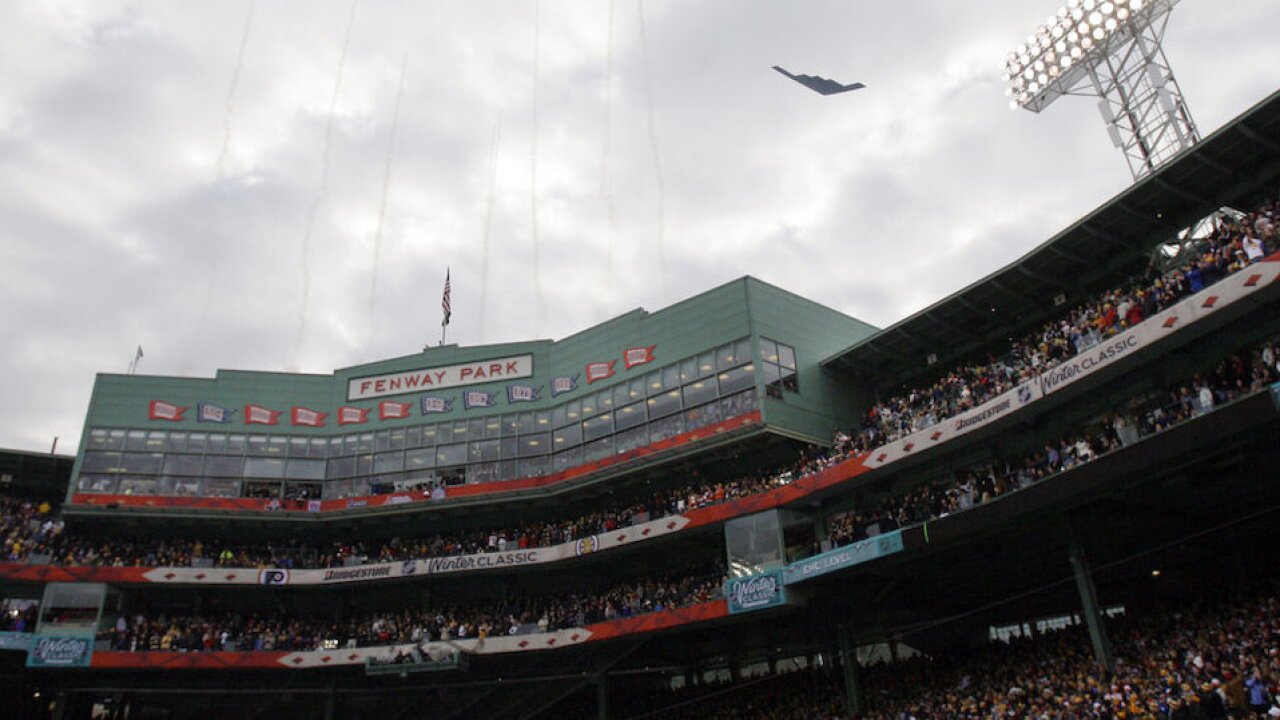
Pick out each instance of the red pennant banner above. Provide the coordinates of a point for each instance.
(348, 415)
(308, 417)
(600, 370)
(161, 410)
(258, 415)
(632, 357)
(392, 410)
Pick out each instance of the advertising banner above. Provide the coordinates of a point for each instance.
(843, 557)
(755, 592)
(60, 651)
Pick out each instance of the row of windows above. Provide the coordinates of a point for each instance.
(683, 384)
(140, 474)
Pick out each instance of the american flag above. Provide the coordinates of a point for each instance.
(445, 304)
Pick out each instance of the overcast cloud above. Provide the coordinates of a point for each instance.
(152, 194)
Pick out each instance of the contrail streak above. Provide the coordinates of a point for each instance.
(657, 159)
(606, 158)
(321, 191)
(229, 104)
(495, 143)
(533, 167)
(372, 322)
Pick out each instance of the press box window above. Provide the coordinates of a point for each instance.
(778, 363)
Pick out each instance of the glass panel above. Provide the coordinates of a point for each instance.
(342, 467)
(457, 432)
(97, 440)
(136, 440)
(386, 462)
(483, 451)
(535, 466)
(224, 465)
(349, 444)
(493, 426)
(535, 444)
(429, 435)
(510, 425)
(696, 393)
(768, 350)
(178, 442)
(302, 491)
(256, 489)
(567, 459)
(508, 469)
(183, 464)
(455, 454)
(597, 427)
(298, 447)
(573, 410)
(188, 487)
(771, 372)
(629, 416)
(509, 447)
(420, 459)
(706, 364)
(96, 484)
(589, 406)
(199, 442)
(567, 436)
(597, 450)
(526, 423)
(604, 400)
(542, 420)
(664, 404)
(742, 350)
(397, 439)
(635, 389)
(278, 446)
(264, 467)
(484, 472)
(364, 464)
(156, 441)
(382, 440)
(319, 448)
(620, 394)
(558, 417)
(222, 487)
(653, 383)
(257, 445)
(739, 404)
(475, 428)
(138, 486)
(364, 443)
(142, 463)
(702, 416)
(737, 379)
(96, 461)
(236, 444)
(688, 370)
(786, 356)
(666, 427)
(725, 358)
(299, 469)
(632, 439)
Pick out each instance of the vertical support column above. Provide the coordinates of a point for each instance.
(852, 676)
(1092, 614)
(820, 531)
(329, 702)
(602, 697)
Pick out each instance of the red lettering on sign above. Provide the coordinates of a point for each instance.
(495, 369)
(465, 373)
(440, 376)
(380, 385)
(364, 386)
(511, 367)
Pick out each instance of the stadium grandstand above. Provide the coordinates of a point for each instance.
(1050, 494)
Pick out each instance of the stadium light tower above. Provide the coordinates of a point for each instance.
(1111, 50)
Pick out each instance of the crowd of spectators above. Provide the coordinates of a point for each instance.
(231, 630)
(1233, 245)
(1201, 661)
(1238, 375)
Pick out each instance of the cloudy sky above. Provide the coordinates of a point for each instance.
(281, 184)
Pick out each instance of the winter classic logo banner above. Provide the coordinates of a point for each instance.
(60, 651)
(755, 592)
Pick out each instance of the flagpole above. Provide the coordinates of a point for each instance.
(446, 308)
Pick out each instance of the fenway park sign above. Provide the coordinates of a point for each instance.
(447, 376)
